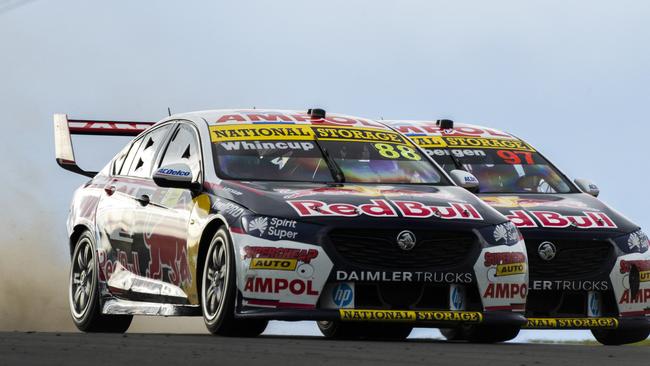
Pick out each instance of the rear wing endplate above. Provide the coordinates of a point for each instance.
(64, 128)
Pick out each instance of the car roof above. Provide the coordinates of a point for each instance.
(431, 128)
(277, 116)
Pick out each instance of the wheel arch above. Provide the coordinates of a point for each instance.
(210, 229)
(77, 230)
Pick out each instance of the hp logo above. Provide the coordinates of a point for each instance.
(342, 295)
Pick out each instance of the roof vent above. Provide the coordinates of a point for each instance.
(445, 124)
(316, 113)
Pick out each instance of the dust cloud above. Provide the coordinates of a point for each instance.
(34, 270)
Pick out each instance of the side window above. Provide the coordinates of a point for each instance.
(183, 148)
(144, 158)
(124, 169)
(119, 159)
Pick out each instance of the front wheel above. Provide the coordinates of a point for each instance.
(219, 291)
(617, 337)
(83, 293)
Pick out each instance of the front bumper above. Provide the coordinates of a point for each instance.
(421, 318)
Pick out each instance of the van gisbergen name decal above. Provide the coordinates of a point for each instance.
(386, 208)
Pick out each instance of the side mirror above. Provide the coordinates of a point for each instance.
(587, 186)
(465, 180)
(175, 176)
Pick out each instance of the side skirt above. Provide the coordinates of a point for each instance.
(126, 307)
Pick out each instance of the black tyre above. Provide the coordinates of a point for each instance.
(453, 334)
(374, 331)
(83, 292)
(618, 337)
(219, 292)
(480, 334)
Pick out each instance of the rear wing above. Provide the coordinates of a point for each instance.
(64, 128)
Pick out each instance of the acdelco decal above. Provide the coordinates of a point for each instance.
(276, 285)
(382, 208)
(410, 316)
(550, 219)
(260, 132)
(358, 134)
(302, 255)
(571, 323)
(471, 143)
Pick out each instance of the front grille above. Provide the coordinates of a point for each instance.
(574, 259)
(378, 249)
(411, 296)
(559, 303)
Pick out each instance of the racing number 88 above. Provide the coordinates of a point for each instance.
(388, 151)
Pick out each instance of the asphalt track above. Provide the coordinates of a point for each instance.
(17, 348)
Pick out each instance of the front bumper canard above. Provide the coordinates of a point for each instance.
(424, 318)
(588, 323)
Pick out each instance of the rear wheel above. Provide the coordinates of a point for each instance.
(84, 293)
(618, 337)
(375, 331)
(219, 292)
(480, 334)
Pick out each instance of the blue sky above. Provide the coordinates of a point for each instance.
(571, 77)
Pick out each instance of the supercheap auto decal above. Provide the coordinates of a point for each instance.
(632, 299)
(280, 273)
(502, 277)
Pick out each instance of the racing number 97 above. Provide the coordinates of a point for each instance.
(390, 152)
(515, 157)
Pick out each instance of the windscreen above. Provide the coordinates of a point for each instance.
(501, 165)
(308, 153)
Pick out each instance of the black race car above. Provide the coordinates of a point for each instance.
(589, 265)
(243, 216)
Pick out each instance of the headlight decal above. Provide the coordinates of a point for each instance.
(636, 242)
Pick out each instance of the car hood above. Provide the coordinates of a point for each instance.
(362, 202)
(571, 212)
